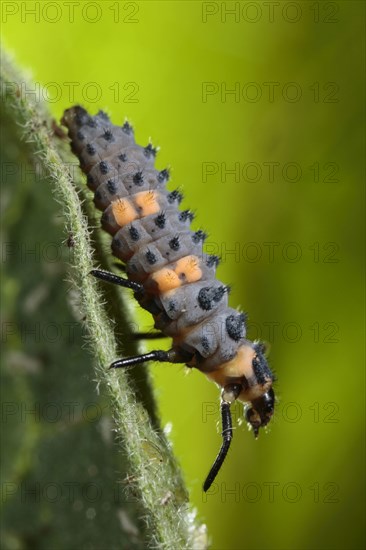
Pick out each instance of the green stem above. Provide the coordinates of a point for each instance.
(154, 472)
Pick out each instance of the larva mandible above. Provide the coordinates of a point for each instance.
(168, 271)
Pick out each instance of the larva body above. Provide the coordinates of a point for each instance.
(178, 283)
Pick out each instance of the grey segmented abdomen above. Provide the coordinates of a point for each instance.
(153, 237)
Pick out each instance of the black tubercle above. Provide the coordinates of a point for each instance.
(151, 258)
(212, 260)
(112, 187)
(103, 115)
(127, 128)
(199, 236)
(205, 344)
(260, 365)
(103, 166)
(163, 175)
(150, 151)
(108, 136)
(209, 296)
(91, 122)
(81, 116)
(175, 196)
(90, 149)
(160, 220)
(122, 157)
(172, 306)
(174, 243)
(235, 326)
(134, 234)
(138, 178)
(186, 215)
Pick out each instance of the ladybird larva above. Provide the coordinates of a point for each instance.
(168, 271)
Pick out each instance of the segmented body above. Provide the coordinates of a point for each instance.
(153, 238)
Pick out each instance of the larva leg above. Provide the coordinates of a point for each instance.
(228, 396)
(116, 280)
(157, 355)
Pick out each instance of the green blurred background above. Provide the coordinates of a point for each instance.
(288, 223)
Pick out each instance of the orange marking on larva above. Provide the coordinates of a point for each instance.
(147, 201)
(188, 268)
(166, 279)
(240, 365)
(123, 212)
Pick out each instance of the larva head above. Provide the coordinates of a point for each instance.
(76, 114)
(261, 408)
(261, 411)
